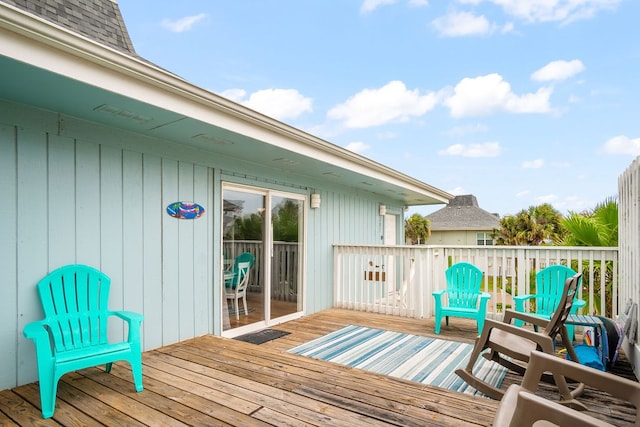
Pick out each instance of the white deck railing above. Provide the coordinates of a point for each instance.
(400, 279)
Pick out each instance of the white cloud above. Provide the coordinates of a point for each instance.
(357, 146)
(280, 104)
(523, 193)
(564, 11)
(486, 94)
(418, 3)
(622, 144)
(457, 24)
(389, 104)
(234, 94)
(533, 164)
(183, 24)
(371, 5)
(487, 149)
(558, 70)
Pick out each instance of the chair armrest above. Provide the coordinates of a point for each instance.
(39, 333)
(439, 293)
(619, 387)
(525, 408)
(134, 320)
(544, 341)
(484, 300)
(536, 320)
(578, 303)
(128, 316)
(523, 297)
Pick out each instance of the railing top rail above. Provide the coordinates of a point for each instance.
(494, 247)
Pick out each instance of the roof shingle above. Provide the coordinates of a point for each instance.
(99, 20)
(463, 213)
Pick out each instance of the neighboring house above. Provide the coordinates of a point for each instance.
(96, 143)
(462, 222)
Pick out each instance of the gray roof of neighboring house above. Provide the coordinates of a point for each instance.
(99, 20)
(463, 213)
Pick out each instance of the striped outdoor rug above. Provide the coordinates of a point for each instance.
(416, 358)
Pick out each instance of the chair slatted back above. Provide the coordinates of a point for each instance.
(75, 299)
(463, 285)
(564, 306)
(550, 283)
(242, 278)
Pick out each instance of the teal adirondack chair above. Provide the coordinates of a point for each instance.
(463, 297)
(73, 334)
(549, 287)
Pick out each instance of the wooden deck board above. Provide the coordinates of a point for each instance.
(215, 381)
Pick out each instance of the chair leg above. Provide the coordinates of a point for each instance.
(244, 303)
(467, 373)
(48, 391)
(437, 323)
(480, 324)
(236, 307)
(136, 369)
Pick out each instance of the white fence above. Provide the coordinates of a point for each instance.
(629, 243)
(400, 279)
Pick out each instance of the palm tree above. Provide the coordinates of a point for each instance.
(417, 229)
(534, 226)
(593, 228)
(598, 227)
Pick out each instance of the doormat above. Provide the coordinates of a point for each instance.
(262, 336)
(416, 358)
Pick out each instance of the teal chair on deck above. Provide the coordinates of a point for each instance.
(73, 334)
(463, 297)
(549, 287)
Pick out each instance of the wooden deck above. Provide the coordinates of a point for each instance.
(211, 381)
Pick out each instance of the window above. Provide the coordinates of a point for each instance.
(484, 239)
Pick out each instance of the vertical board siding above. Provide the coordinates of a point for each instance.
(133, 232)
(186, 302)
(202, 256)
(8, 257)
(72, 201)
(152, 212)
(111, 229)
(62, 214)
(87, 188)
(170, 252)
(32, 232)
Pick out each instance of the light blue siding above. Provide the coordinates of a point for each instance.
(82, 193)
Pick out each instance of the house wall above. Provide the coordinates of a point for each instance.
(455, 237)
(77, 192)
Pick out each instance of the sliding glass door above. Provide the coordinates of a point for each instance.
(265, 228)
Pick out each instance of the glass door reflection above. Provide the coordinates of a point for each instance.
(243, 238)
(286, 283)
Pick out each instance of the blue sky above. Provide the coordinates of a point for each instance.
(519, 102)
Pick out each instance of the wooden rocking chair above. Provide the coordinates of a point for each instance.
(516, 343)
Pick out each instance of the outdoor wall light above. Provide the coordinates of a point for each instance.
(315, 201)
(383, 210)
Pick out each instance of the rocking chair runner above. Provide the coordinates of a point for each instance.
(503, 338)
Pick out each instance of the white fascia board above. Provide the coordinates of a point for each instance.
(35, 41)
